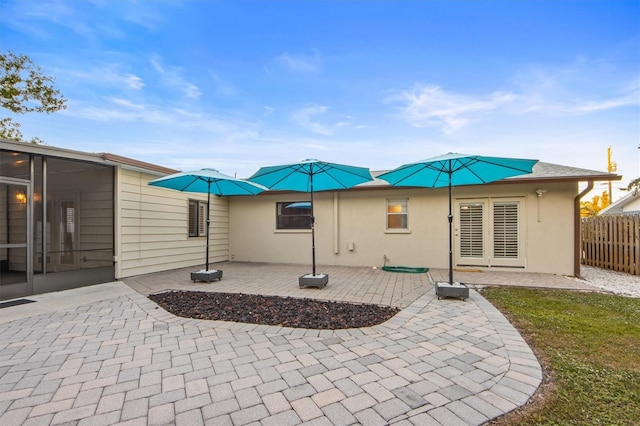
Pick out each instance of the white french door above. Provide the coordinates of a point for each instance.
(489, 232)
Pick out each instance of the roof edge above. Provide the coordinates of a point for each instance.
(136, 164)
(100, 158)
(583, 178)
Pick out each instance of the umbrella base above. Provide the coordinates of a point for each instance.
(207, 276)
(310, 280)
(458, 290)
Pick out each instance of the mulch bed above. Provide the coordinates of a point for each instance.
(272, 310)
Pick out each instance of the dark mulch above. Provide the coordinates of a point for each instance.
(272, 310)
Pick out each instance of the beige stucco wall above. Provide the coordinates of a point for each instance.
(550, 234)
(152, 227)
(358, 218)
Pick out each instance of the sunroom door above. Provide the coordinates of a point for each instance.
(489, 233)
(15, 238)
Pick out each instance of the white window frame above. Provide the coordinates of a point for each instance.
(399, 202)
(200, 219)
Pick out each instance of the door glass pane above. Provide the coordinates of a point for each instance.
(13, 234)
(505, 231)
(14, 164)
(13, 266)
(471, 230)
(14, 215)
(38, 222)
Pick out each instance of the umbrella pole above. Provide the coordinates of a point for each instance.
(450, 217)
(208, 212)
(313, 235)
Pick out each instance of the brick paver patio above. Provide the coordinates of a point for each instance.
(123, 360)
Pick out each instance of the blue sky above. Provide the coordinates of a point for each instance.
(236, 85)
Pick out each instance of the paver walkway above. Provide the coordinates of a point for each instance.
(123, 360)
(346, 283)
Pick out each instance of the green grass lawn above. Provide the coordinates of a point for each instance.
(589, 345)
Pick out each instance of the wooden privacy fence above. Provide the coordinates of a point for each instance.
(612, 242)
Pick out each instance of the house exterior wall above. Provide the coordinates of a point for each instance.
(357, 219)
(152, 226)
(632, 207)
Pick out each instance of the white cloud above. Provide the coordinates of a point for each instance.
(318, 119)
(171, 77)
(110, 74)
(539, 92)
(82, 19)
(301, 63)
(191, 90)
(603, 105)
(134, 82)
(425, 106)
(576, 89)
(144, 15)
(126, 103)
(268, 110)
(304, 118)
(120, 110)
(222, 87)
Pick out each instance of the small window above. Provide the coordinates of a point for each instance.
(397, 213)
(197, 218)
(67, 232)
(293, 215)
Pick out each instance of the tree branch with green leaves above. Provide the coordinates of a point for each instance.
(25, 88)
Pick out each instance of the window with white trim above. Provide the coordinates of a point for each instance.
(293, 215)
(397, 213)
(197, 218)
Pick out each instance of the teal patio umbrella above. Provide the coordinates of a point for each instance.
(209, 181)
(454, 170)
(311, 176)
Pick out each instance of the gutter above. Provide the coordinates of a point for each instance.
(139, 166)
(577, 246)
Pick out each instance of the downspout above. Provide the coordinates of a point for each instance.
(577, 246)
(336, 225)
(117, 221)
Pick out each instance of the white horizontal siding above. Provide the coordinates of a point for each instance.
(153, 228)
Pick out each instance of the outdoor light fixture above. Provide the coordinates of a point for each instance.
(540, 192)
(21, 198)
